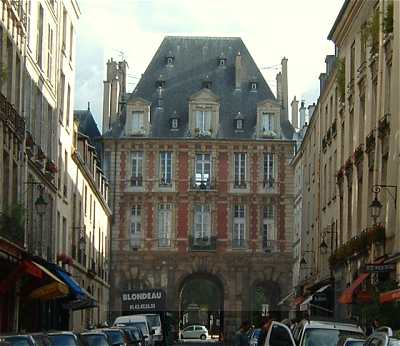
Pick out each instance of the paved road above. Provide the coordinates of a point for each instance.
(198, 342)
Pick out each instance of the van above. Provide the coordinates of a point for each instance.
(139, 321)
(154, 321)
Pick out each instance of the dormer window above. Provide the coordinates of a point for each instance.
(253, 86)
(267, 121)
(135, 123)
(206, 84)
(174, 123)
(169, 60)
(239, 124)
(160, 83)
(203, 122)
(221, 61)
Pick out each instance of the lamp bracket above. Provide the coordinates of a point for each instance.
(378, 188)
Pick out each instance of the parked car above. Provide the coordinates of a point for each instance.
(115, 336)
(195, 332)
(255, 334)
(133, 335)
(64, 339)
(155, 324)
(325, 333)
(279, 335)
(382, 339)
(385, 329)
(94, 338)
(139, 321)
(350, 341)
(35, 339)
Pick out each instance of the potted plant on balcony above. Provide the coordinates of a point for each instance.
(370, 141)
(383, 126)
(358, 154)
(64, 259)
(51, 167)
(341, 80)
(348, 167)
(339, 175)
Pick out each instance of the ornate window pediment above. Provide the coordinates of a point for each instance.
(137, 117)
(204, 113)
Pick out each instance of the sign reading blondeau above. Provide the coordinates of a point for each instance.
(143, 300)
(379, 268)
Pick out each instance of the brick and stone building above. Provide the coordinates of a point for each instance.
(200, 184)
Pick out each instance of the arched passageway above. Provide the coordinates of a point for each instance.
(201, 301)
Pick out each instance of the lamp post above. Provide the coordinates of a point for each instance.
(375, 205)
(41, 206)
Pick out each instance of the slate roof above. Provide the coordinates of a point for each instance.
(195, 61)
(88, 127)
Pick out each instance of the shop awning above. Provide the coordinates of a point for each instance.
(76, 290)
(390, 296)
(25, 267)
(80, 303)
(290, 295)
(347, 295)
(305, 304)
(53, 290)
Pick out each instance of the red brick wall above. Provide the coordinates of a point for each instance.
(223, 172)
(222, 220)
(183, 171)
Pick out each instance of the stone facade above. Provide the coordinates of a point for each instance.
(193, 196)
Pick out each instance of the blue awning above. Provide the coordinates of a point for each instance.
(74, 287)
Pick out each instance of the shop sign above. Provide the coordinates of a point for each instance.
(379, 268)
(151, 300)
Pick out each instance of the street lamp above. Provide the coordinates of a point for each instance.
(375, 207)
(40, 205)
(324, 246)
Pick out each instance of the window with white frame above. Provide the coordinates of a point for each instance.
(135, 227)
(165, 168)
(239, 227)
(164, 225)
(135, 123)
(268, 229)
(269, 166)
(137, 168)
(240, 169)
(202, 224)
(203, 170)
(203, 121)
(267, 122)
(50, 53)
(174, 123)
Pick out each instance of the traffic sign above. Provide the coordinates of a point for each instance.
(265, 309)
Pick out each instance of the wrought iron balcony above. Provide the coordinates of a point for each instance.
(205, 243)
(136, 180)
(11, 116)
(239, 243)
(276, 246)
(269, 183)
(203, 185)
(164, 242)
(239, 184)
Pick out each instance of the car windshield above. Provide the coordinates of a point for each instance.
(394, 342)
(256, 333)
(154, 320)
(17, 341)
(62, 340)
(95, 340)
(116, 337)
(355, 343)
(324, 337)
(142, 326)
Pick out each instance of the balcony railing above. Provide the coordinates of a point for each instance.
(206, 243)
(203, 185)
(239, 184)
(164, 242)
(9, 114)
(277, 246)
(239, 243)
(137, 180)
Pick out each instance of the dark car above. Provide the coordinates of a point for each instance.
(35, 339)
(134, 336)
(115, 336)
(94, 338)
(64, 339)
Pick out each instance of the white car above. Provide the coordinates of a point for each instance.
(325, 333)
(195, 332)
(382, 339)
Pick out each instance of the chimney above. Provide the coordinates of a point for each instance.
(238, 71)
(322, 81)
(330, 63)
(112, 68)
(122, 67)
(106, 106)
(302, 115)
(311, 109)
(295, 113)
(279, 87)
(284, 91)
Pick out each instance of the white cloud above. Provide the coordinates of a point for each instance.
(270, 30)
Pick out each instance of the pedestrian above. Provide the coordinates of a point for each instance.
(242, 337)
(373, 326)
(264, 326)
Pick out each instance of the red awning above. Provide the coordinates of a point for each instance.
(24, 267)
(390, 296)
(347, 295)
(298, 300)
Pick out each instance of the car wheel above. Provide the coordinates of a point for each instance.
(203, 337)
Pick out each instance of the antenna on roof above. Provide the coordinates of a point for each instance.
(272, 67)
(121, 54)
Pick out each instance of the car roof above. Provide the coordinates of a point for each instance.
(61, 333)
(345, 326)
(89, 332)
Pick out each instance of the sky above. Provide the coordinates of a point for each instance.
(271, 30)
